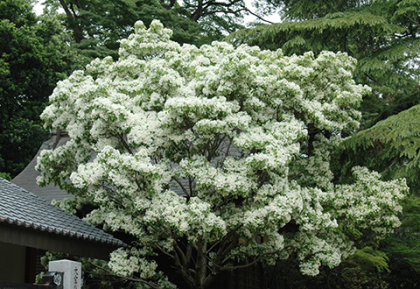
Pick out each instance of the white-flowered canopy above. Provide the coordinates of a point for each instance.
(213, 147)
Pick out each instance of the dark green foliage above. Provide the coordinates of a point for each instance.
(17, 12)
(391, 146)
(217, 18)
(176, 18)
(98, 25)
(307, 9)
(33, 57)
(404, 246)
(402, 275)
(363, 270)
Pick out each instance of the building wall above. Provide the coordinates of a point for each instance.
(12, 262)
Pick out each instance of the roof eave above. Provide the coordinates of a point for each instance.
(23, 236)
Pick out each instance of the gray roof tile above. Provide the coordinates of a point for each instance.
(22, 208)
(27, 178)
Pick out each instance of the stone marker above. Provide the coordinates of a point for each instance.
(72, 272)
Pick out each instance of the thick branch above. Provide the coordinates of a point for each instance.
(214, 146)
(201, 263)
(66, 9)
(223, 4)
(184, 271)
(198, 12)
(226, 153)
(180, 254)
(190, 184)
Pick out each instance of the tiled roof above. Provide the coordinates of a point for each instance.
(27, 178)
(22, 208)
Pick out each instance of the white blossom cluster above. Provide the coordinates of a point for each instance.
(208, 145)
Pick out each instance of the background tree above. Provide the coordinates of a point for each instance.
(215, 158)
(97, 26)
(33, 57)
(392, 147)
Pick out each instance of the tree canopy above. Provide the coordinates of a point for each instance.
(215, 157)
(33, 57)
(98, 26)
(391, 146)
(395, 144)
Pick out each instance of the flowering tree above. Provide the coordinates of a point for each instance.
(216, 157)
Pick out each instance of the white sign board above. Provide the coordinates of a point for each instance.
(72, 272)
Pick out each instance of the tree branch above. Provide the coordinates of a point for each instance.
(185, 273)
(176, 179)
(66, 9)
(228, 235)
(180, 254)
(223, 4)
(163, 251)
(124, 143)
(259, 17)
(201, 263)
(226, 153)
